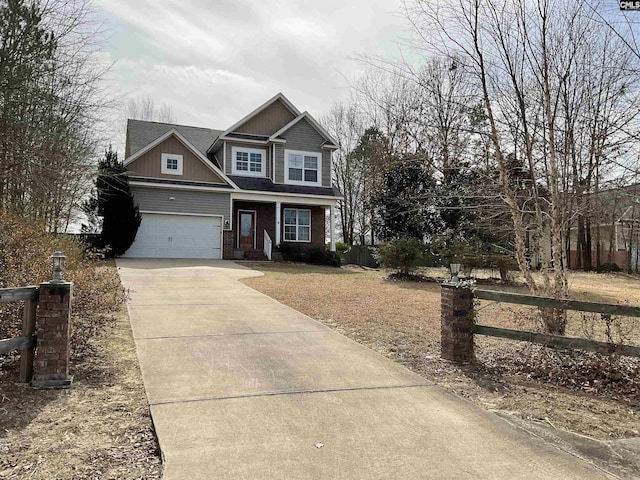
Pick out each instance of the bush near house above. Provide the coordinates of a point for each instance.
(293, 252)
(24, 260)
(342, 248)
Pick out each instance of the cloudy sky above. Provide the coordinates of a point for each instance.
(215, 61)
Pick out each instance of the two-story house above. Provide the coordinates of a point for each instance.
(236, 193)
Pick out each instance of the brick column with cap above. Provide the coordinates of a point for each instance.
(456, 315)
(53, 322)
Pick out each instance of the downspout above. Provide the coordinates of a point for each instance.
(273, 162)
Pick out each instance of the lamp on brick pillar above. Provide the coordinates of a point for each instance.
(455, 270)
(53, 322)
(58, 260)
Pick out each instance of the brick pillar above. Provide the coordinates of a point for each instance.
(456, 315)
(53, 321)
(227, 245)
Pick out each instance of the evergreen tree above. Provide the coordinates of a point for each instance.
(404, 205)
(114, 203)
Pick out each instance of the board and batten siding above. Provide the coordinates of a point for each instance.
(229, 160)
(149, 165)
(184, 201)
(269, 121)
(302, 136)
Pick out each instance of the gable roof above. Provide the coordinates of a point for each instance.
(141, 133)
(202, 156)
(330, 142)
(279, 97)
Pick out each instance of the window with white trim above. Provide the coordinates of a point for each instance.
(303, 168)
(297, 225)
(171, 164)
(248, 161)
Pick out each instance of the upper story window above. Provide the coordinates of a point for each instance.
(304, 168)
(248, 161)
(171, 164)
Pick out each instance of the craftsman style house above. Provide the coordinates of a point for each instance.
(237, 193)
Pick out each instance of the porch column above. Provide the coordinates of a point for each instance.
(278, 228)
(332, 227)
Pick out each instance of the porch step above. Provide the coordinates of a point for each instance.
(255, 255)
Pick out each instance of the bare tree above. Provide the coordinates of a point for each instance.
(345, 125)
(51, 99)
(533, 64)
(145, 108)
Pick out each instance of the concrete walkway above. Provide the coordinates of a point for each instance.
(243, 387)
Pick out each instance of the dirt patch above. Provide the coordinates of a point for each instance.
(99, 428)
(402, 321)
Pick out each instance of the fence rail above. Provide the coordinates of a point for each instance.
(26, 344)
(20, 293)
(558, 341)
(548, 302)
(458, 327)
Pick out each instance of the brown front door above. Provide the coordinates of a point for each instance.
(247, 234)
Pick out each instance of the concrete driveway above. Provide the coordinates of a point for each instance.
(243, 387)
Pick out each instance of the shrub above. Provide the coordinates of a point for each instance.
(24, 260)
(322, 256)
(294, 252)
(342, 248)
(403, 255)
(608, 267)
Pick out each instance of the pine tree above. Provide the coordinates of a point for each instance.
(120, 215)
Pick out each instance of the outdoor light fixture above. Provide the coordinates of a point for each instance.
(57, 259)
(455, 270)
(171, 199)
(226, 224)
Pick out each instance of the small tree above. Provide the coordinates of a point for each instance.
(120, 215)
(402, 255)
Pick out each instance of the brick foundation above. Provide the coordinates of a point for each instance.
(53, 322)
(227, 247)
(456, 315)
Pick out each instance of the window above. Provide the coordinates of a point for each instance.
(171, 164)
(303, 167)
(297, 225)
(248, 161)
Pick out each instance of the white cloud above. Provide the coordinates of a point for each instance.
(213, 62)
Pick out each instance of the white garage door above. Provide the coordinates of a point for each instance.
(177, 236)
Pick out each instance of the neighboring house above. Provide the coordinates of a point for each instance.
(237, 193)
(614, 222)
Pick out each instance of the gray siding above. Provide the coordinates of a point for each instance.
(228, 161)
(302, 136)
(185, 201)
(279, 168)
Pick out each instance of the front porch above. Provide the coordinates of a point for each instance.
(259, 227)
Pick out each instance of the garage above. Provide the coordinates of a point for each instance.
(177, 236)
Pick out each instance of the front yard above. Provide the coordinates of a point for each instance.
(401, 320)
(99, 428)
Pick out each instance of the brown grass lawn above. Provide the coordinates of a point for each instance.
(571, 390)
(99, 428)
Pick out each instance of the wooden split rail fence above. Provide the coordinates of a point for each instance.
(458, 327)
(26, 343)
(46, 331)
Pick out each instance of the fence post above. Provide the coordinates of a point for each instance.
(28, 330)
(456, 316)
(53, 327)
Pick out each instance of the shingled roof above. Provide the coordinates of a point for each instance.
(141, 133)
(266, 185)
